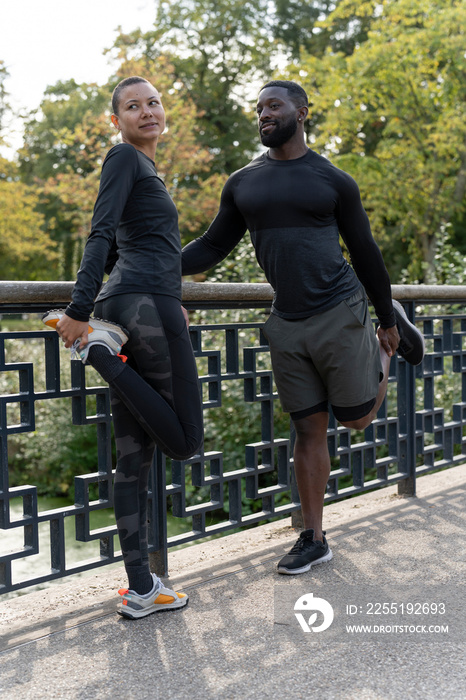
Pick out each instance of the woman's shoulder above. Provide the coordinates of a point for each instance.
(122, 151)
(121, 162)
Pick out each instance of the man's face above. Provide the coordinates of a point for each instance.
(277, 115)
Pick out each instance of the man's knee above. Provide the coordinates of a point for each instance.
(360, 424)
(312, 427)
(355, 417)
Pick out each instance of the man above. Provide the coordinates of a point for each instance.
(295, 204)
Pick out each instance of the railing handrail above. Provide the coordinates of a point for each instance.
(16, 293)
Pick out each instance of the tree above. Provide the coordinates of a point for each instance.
(221, 52)
(66, 179)
(3, 98)
(26, 250)
(299, 26)
(64, 144)
(392, 114)
(49, 146)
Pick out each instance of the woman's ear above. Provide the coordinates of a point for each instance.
(115, 122)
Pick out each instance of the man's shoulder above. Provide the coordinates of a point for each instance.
(258, 162)
(317, 161)
(338, 176)
(236, 178)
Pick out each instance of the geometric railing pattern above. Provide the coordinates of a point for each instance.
(419, 428)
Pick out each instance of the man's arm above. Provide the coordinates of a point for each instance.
(366, 257)
(224, 233)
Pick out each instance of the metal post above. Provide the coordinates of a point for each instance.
(157, 517)
(407, 487)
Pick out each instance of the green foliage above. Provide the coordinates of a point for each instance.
(3, 98)
(299, 26)
(65, 142)
(50, 145)
(26, 250)
(387, 86)
(392, 114)
(449, 263)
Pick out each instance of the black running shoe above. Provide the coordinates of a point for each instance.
(305, 553)
(411, 347)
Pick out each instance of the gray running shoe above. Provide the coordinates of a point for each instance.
(110, 335)
(158, 599)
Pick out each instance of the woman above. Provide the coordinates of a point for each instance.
(155, 394)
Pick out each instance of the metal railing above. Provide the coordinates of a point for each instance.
(419, 428)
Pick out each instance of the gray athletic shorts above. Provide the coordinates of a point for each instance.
(331, 357)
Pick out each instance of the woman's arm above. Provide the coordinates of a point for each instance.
(118, 175)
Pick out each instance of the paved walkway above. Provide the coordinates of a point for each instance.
(239, 636)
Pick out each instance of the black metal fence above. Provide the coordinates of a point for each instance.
(244, 475)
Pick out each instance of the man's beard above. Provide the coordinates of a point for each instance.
(281, 134)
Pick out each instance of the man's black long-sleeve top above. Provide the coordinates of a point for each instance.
(295, 211)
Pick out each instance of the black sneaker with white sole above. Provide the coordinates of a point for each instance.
(412, 346)
(305, 553)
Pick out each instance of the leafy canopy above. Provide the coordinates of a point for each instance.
(392, 114)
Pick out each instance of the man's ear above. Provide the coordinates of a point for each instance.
(302, 113)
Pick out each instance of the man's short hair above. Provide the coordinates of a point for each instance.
(295, 91)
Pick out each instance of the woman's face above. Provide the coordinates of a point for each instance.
(141, 117)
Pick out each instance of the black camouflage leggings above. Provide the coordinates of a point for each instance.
(155, 401)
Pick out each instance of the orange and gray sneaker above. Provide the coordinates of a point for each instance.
(159, 598)
(110, 335)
